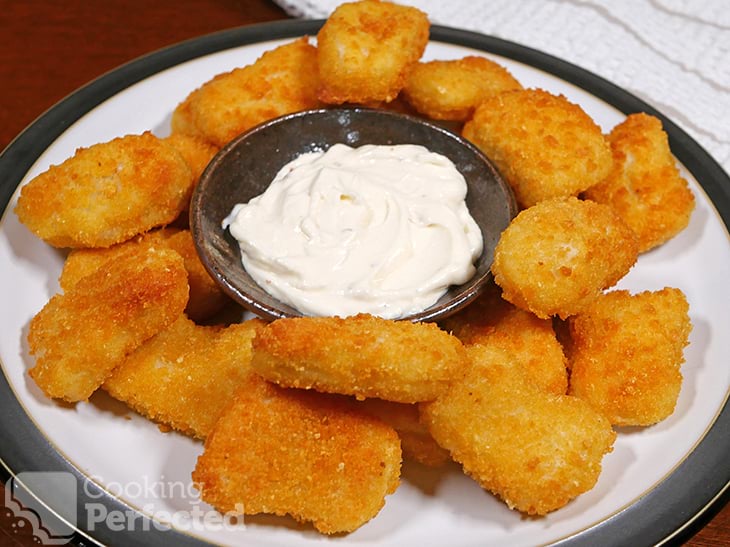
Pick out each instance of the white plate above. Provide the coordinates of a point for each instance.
(641, 495)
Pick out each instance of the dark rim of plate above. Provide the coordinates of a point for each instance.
(670, 512)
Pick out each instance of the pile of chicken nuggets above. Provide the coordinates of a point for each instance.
(311, 417)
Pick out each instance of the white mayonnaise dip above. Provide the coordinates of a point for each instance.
(377, 229)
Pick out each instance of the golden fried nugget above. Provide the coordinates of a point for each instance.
(183, 121)
(306, 454)
(532, 341)
(627, 352)
(366, 49)
(107, 193)
(451, 90)
(82, 262)
(416, 442)
(645, 187)
(205, 299)
(544, 145)
(555, 257)
(186, 375)
(534, 450)
(363, 355)
(196, 152)
(80, 336)
(281, 81)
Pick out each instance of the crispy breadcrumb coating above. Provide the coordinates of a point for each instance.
(451, 90)
(366, 49)
(283, 80)
(534, 450)
(627, 352)
(183, 118)
(544, 145)
(80, 336)
(196, 152)
(206, 297)
(205, 300)
(532, 341)
(107, 193)
(186, 375)
(555, 257)
(416, 442)
(645, 187)
(302, 453)
(363, 355)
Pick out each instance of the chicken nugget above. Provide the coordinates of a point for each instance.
(363, 355)
(183, 120)
(534, 450)
(645, 187)
(366, 49)
(186, 375)
(80, 336)
(196, 152)
(544, 145)
(451, 90)
(281, 81)
(416, 442)
(205, 299)
(533, 342)
(627, 352)
(82, 262)
(107, 193)
(301, 453)
(555, 257)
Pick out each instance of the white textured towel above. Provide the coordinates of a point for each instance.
(674, 54)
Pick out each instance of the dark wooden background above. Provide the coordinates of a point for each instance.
(50, 48)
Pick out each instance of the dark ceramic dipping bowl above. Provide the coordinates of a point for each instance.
(244, 168)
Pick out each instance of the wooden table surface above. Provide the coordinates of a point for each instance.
(51, 48)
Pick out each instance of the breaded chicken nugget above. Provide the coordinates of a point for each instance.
(186, 375)
(80, 336)
(196, 152)
(205, 299)
(555, 257)
(415, 440)
(627, 352)
(107, 193)
(301, 453)
(534, 450)
(532, 341)
(366, 49)
(281, 81)
(363, 355)
(451, 90)
(544, 145)
(645, 187)
(183, 121)
(82, 262)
